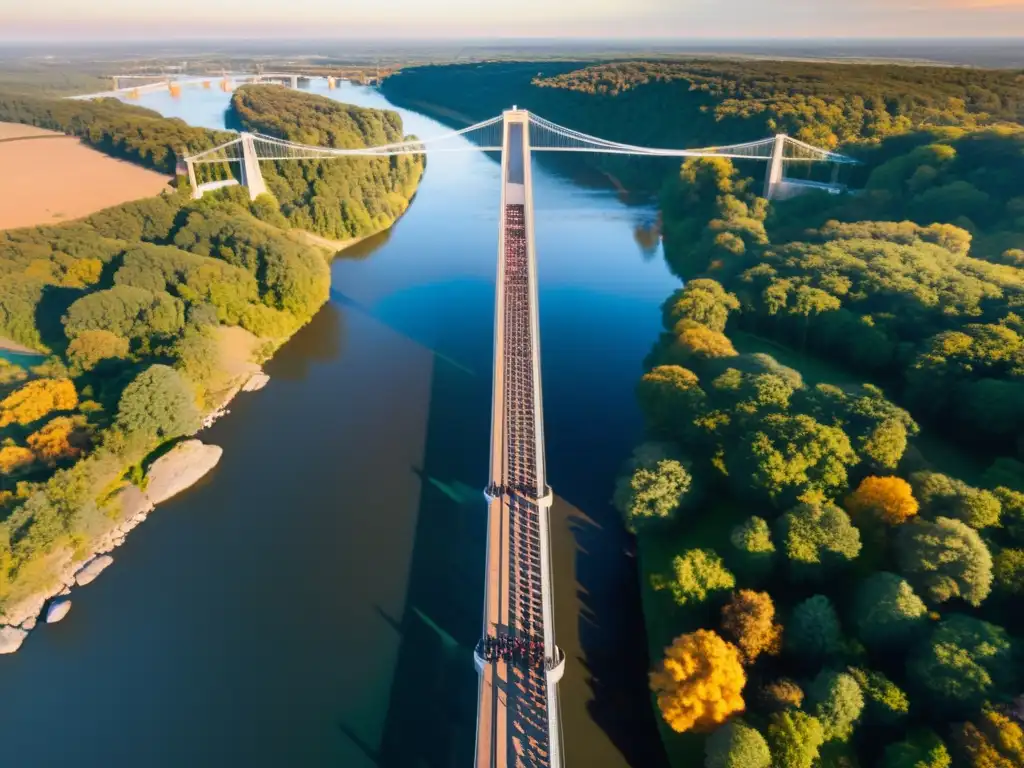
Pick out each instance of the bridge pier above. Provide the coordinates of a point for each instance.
(295, 81)
(774, 174)
(252, 177)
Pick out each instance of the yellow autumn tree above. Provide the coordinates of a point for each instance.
(889, 499)
(55, 441)
(698, 683)
(36, 399)
(995, 741)
(696, 340)
(14, 458)
(749, 620)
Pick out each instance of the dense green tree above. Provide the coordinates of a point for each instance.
(795, 739)
(158, 403)
(702, 301)
(671, 399)
(127, 312)
(885, 703)
(697, 575)
(944, 559)
(1012, 503)
(1008, 570)
(922, 749)
(817, 539)
(753, 538)
(963, 663)
(813, 632)
(838, 702)
(887, 612)
(654, 488)
(736, 745)
(789, 456)
(944, 496)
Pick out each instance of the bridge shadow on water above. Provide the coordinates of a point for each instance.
(431, 717)
(430, 720)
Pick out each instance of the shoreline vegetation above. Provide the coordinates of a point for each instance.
(829, 505)
(150, 317)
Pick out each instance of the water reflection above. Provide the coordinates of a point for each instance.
(322, 340)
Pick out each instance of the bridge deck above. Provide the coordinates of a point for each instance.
(517, 724)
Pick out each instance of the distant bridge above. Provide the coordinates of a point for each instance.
(174, 84)
(519, 661)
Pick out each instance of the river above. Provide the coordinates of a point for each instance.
(314, 601)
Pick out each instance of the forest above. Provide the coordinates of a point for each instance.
(829, 504)
(339, 198)
(142, 313)
(712, 102)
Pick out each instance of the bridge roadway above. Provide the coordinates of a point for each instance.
(518, 709)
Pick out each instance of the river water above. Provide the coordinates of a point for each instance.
(314, 601)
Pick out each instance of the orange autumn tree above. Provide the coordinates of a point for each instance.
(749, 620)
(36, 399)
(698, 683)
(889, 499)
(14, 458)
(55, 441)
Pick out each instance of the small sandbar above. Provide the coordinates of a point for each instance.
(7, 345)
(59, 179)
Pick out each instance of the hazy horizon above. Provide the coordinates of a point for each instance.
(638, 20)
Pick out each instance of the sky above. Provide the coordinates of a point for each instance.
(449, 19)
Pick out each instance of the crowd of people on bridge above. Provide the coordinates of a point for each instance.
(514, 650)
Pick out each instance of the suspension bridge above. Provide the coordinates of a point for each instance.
(518, 659)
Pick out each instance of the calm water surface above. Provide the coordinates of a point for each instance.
(314, 601)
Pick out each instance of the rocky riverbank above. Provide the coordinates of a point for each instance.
(180, 468)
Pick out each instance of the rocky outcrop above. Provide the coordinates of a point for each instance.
(180, 468)
(93, 568)
(256, 382)
(58, 610)
(132, 504)
(11, 639)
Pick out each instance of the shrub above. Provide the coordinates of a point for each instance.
(698, 573)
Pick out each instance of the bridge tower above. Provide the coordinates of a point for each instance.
(775, 173)
(252, 177)
(185, 167)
